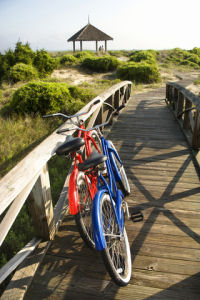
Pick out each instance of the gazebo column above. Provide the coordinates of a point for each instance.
(74, 46)
(96, 46)
(105, 45)
(81, 45)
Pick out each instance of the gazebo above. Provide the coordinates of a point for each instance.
(89, 33)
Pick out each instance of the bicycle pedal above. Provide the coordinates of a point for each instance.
(137, 216)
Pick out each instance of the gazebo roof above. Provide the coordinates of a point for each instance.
(90, 33)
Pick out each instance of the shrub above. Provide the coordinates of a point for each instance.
(84, 95)
(44, 63)
(148, 55)
(68, 60)
(23, 53)
(139, 72)
(178, 56)
(41, 97)
(83, 54)
(22, 72)
(101, 64)
(196, 50)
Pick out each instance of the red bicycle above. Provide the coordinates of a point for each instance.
(82, 185)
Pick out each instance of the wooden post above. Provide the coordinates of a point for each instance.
(41, 208)
(74, 46)
(105, 45)
(186, 122)
(180, 104)
(81, 45)
(175, 99)
(96, 46)
(117, 99)
(196, 131)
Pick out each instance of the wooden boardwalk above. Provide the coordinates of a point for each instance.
(165, 246)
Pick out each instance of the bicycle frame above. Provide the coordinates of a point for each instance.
(73, 195)
(115, 194)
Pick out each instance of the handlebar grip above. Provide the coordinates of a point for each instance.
(48, 116)
(96, 102)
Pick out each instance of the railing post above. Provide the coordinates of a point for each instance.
(41, 208)
(180, 104)
(117, 98)
(186, 122)
(196, 131)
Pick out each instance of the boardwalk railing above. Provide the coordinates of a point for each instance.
(186, 107)
(30, 179)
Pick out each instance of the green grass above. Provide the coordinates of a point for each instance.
(19, 135)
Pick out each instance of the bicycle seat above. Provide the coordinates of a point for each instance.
(71, 145)
(93, 160)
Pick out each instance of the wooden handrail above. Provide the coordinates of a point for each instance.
(30, 178)
(186, 107)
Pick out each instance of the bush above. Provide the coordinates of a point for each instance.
(41, 97)
(101, 64)
(44, 63)
(148, 55)
(183, 57)
(84, 54)
(84, 95)
(22, 72)
(23, 53)
(139, 72)
(68, 60)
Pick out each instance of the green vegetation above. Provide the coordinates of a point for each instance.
(68, 60)
(40, 97)
(22, 72)
(101, 64)
(188, 59)
(40, 59)
(139, 72)
(141, 68)
(44, 63)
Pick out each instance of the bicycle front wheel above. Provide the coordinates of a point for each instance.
(116, 254)
(83, 218)
(121, 174)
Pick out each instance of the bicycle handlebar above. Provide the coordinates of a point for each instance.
(108, 122)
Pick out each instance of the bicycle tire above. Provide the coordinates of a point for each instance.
(116, 255)
(83, 218)
(122, 180)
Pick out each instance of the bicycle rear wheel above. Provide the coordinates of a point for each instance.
(83, 218)
(116, 254)
(122, 179)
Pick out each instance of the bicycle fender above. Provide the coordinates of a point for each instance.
(96, 221)
(113, 163)
(73, 195)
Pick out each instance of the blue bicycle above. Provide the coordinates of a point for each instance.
(109, 208)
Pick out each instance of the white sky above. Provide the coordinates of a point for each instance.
(134, 24)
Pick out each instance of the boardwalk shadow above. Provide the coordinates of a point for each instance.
(71, 270)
